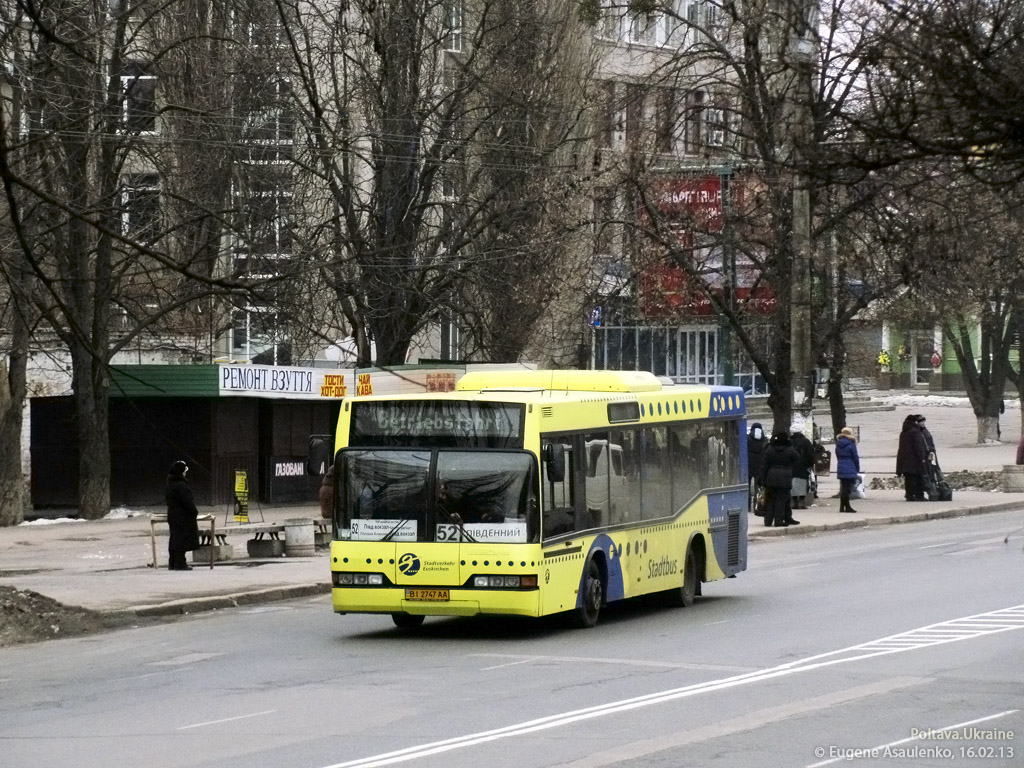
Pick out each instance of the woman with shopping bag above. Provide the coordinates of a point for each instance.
(847, 467)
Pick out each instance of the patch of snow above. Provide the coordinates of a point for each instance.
(123, 513)
(52, 521)
(907, 399)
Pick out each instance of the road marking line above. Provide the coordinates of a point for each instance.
(510, 664)
(757, 719)
(188, 658)
(623, 662)
(869, 650)
(918, 738)
(226, 720)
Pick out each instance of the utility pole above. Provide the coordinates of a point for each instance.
(728, 346)
(803, 48)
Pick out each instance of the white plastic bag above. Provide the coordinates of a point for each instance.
(858, 488)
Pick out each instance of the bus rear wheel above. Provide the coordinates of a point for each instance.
(407, 620)
(591, 598)
(685, 595)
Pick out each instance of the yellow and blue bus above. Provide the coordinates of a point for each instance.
(537, 492)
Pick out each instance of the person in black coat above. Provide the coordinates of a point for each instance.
(912, 459)
(757, 441)
(780, 461)
(181, 517)
(805, 449)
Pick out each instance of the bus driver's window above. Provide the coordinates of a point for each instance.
(559, 509)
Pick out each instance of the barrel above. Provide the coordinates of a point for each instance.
(1013, 478)
(298, 538)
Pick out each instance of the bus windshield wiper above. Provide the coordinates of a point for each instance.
(396, 529)
(456, 519)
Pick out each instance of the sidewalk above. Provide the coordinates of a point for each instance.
(105, 565)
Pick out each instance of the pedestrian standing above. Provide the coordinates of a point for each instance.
(929, 441)
(912, 459)
(1020, 450)
(780, 461)
(930, 478)
(802, 472)
(847, 467)
(182, 517)
(757, 441)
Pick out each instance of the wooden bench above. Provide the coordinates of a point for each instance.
(264, 540)
(211, 532)
(256, 530)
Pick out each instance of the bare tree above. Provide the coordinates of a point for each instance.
(760, 90)
(84, 181)
(426, 172)
(967, 278)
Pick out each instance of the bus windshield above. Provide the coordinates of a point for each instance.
(438, 495)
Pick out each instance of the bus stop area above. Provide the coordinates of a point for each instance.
(107, 565)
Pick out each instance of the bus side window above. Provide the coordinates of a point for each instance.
(598, 457)
(559, 508)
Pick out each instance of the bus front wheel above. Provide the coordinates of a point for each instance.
(406, 620)
(591, 598)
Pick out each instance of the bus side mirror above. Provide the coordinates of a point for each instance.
(554, 462)
(319, 455)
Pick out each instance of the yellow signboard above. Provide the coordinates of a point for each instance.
(241, 496)
(333, 386)
(364, 384)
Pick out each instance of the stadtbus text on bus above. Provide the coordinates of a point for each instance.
(537, 492)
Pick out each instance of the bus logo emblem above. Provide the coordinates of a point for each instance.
(409, 564)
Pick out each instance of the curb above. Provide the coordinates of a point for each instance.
(870, 522)
(235, 600)
(217, 602)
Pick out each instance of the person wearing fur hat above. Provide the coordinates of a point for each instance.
(847, 467)
(182, 517)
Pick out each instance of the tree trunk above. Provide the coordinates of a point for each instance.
(12, 402)
(91, 401)
(988, 429)
(837, 405)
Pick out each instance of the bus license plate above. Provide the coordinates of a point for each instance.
(426, 594)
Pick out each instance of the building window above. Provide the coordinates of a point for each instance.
(643, 29)
(268, 119)
(610, 117)
(635, 119)
(140, 207)
(611, 19)
(694, 139)
(714, 127)
(139, 104)
(260, 336)
(665, 120)
(604, 221)
(453, 26)
(267, 204)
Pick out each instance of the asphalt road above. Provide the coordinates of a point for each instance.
(794, 663)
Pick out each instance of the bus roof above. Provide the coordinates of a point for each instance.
(564, 381)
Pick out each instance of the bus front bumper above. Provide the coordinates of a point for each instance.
(460, 602)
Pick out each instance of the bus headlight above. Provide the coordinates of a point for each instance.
(504, 582)
(345, 579)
